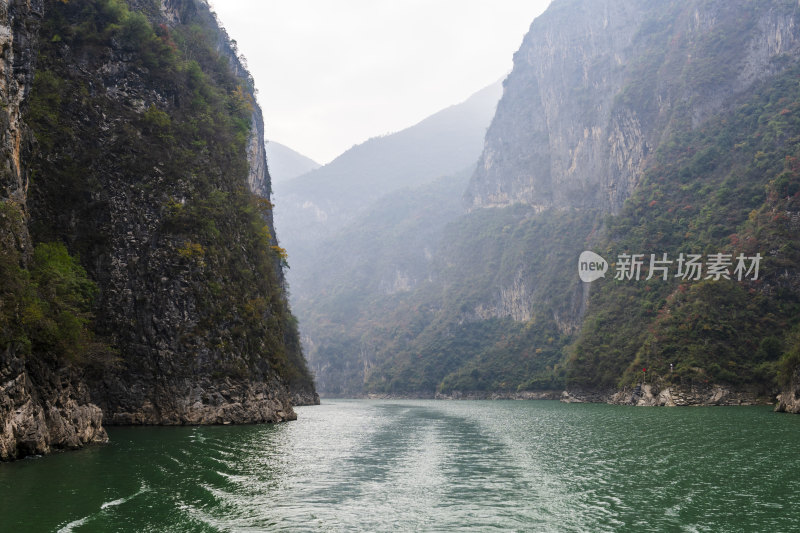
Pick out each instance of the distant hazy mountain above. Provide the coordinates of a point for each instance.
(285, 164)
(363, 227)
(312, 205)
(366, 269)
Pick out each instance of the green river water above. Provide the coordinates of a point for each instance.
(425, 465)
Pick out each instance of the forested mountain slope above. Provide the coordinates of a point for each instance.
(627, 128)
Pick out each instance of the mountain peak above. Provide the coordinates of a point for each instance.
(285, 163)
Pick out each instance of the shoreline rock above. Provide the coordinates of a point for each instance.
(788, 402)
(304, 397)
(42, 411)
(499, 395)
(650, 395)
(789, 398)
(195, 401)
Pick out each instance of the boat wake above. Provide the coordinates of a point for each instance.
(68, 528)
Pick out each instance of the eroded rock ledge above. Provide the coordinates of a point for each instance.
(199, 402)
(789, 398)
(42, 411)
(305, 397)
(788, 403)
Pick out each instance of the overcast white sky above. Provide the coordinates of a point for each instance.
(333, 73)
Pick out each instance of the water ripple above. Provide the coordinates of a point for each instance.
(427, 466)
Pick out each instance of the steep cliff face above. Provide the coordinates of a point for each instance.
(19, 25)
(144, 148)
(708, 96)
(161, 211)
(596, 86)
(42, 407)
(547, 143)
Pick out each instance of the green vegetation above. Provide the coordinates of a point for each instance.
(45, 309)
(512, 258)
(789, 364)
(141, 159)
(726, 187)
(436, 332)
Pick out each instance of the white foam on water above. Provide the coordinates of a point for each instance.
(114, 503)
(75, 523)
(120, 501)
(105, 505)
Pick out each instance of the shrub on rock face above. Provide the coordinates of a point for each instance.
(47, 307)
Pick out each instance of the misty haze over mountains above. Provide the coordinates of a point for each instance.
(369, 220)
(618, 121)
(285, 164)
(326, 198)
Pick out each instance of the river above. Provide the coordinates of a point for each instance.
(426, 465)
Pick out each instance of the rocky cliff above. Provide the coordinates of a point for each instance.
(596, 87)
(138, 129)
(42, 407)
(676, 118)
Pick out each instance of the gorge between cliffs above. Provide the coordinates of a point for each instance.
(613, 225)
(144, 283)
